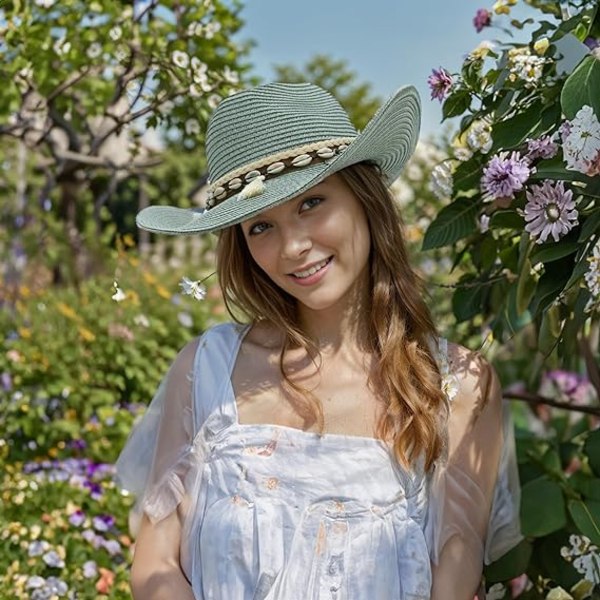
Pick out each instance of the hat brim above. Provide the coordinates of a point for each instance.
(388, 140)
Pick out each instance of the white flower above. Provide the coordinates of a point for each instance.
(115, 33)
(192, 127)
(35, 582)
(462, 153)
(210, 29)
(94, 50)
(584, 557)
(61, 46)
(194, 29)
(193, 288)
(180, 59)
(52, 559)
(198, 66)
(166, 107)
(213, 101)
(45, 3)
(185, 319)
(195, 91)
(592, 275)
(119, 294)
(525, 66)
(441, 181)
(90, 570)
(484, 223)
(231, 76)
(581, 145)
(402, 192)
(141, 320)
(496, 592)
(480, 137)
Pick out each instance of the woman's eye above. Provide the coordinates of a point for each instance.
(257, 228)
(311, 203)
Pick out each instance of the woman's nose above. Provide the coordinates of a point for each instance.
(295, 241)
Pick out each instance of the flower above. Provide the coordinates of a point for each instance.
(141, 320)
(77, 518)
(484, 223)
(524, 65)
(480, 137)
(550, 210)
(441, 182)
(90, 569)
(61, 46)
(193, 288)
(540, 46)
(581, 142)
(180, 59)
(496, 592)
(192, 127)
(592, 275)
(103, 522)
(52, 559)
(440, 82)
(505, 175)
(119, 294)
(45, 3)
(584, 556)
(502, 7)
(115, 33)
(106, 581)
(542, 147)
(462, 153)
(37, 548)
(482, 19)
(482, 50)
(94, 50)
(213, 101)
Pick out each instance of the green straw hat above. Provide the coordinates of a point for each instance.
(268, 144)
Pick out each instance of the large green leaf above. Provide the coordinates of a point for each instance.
(512, 132)
(590, 226)
(546, 254)
(592, 449)
(506, 219)
(511, 565)
(454, 222)
(456, 104)
(582, 88)
(586, 515)
(466, 302)
(542, 507)
(468, 174)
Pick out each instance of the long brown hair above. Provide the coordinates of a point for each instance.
(400, 323)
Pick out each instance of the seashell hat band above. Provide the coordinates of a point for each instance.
(268, 144)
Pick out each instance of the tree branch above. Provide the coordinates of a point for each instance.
(534, 399)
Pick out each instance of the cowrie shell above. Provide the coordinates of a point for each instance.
(342, 147)
(252, 175)
(276, 167)
(219, 192)
(254, 188)
(325, 152)
(235, 184)
(302, 160)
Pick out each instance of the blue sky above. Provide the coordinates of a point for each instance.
(387, 42)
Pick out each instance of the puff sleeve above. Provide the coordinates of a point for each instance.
(157, 456)
(473, 512)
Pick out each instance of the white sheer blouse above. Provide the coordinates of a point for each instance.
(274, 513)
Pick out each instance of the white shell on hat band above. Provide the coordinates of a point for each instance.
(274, 165)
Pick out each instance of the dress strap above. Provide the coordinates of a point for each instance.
(214, 402)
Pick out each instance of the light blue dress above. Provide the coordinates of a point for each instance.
(275, 513)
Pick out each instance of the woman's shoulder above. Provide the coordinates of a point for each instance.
(474, 377)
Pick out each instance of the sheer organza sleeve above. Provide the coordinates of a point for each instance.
(157, 456)
(473, 514)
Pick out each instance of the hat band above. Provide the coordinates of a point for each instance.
(273, 166)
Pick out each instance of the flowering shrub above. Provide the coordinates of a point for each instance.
(523, 219)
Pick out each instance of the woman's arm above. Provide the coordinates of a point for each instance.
(156, 572)
(466, 485)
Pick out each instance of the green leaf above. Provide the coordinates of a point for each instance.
(467, 174)
(586, 515)
(506, 219)
(581, 88)
(512, 132)
(466, 302)
(456, 104)
(587, 486)
(454, 222)
(590, 226)
(546, 254)
(511, 565)
(542, 507)
(592, 449)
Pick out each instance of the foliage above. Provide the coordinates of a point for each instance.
(93, 93)
(336, 77)
(523, 222)
(72, 358)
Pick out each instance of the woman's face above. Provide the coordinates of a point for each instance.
(315, 246)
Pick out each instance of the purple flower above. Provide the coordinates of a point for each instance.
(482, 19)
(52, 559)
(543, 147)
(37, 548)
(564, 130)
(6, 380)
(591, 43)
(90, 569)
(103, 522)
(112, 547)
(78, 444)
(440, 82)
(77, 518)
(90, 536)
(505, 175)
(550, 210)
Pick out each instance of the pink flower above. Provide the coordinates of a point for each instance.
(543, 147)
(482, 19)
(440, 82)
(550, 210)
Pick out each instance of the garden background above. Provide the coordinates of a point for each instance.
(103, 108)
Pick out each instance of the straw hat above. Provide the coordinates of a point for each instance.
(271, 143)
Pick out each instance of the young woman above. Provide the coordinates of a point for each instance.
(333, 446)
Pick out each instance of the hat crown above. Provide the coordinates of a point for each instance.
(267, 120)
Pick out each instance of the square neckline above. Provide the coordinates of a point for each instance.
(315, 435)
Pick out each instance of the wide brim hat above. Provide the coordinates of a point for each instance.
(269, 144)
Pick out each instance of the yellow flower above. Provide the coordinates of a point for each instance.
(67, 311)
(25, 291)
(163, 292)
(502, 7)
(541, 45)
(149, 278)
(53, 453)
(86, 334)
(24, 332)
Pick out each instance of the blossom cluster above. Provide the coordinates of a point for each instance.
(581, 142)
(584, 556)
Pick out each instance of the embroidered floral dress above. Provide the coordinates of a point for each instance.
(275, 513)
